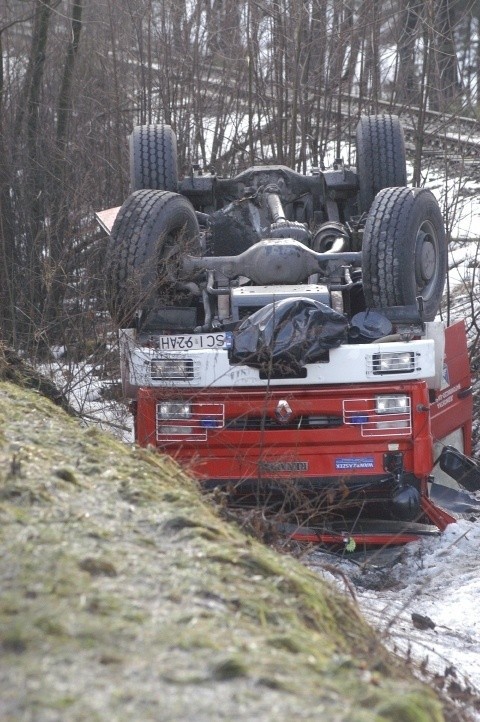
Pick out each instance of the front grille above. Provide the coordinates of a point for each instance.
(262, 423)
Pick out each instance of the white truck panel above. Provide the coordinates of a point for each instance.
(201, 368)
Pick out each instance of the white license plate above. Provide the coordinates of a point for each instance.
(191, 342)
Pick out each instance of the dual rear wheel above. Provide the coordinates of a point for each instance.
(404, 251)
(149, 225)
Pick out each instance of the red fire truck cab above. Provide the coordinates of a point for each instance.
(356, 442)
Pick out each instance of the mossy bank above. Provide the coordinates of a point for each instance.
(124, 597)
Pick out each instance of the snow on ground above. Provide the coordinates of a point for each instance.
(459, 199)
(437, 578)
(460, 202)
(93, 395)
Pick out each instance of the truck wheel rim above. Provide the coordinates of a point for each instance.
(426, 259)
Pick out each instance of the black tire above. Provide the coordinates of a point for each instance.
(381, 161)
(148, 223)
(153, 158)
(404, 252)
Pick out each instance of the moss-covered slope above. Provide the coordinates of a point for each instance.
(124, 597)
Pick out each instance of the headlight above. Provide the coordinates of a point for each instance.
(392, 404)
(185, 421)
(174, 410)
(399, 408)
(392, 362)
(171, 368)
(382, 415)
(175, 430)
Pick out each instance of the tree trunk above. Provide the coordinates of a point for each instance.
(35, 178)
(443, 73)
(59, 210)
(7, 231)
(406, 86)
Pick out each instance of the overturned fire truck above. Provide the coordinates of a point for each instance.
(278, 335)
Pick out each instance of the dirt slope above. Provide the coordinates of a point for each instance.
(124, 597)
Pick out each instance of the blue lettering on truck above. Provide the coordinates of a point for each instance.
(355, 462)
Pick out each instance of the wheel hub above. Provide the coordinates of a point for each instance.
(425, 258)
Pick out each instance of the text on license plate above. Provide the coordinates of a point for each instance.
(187, 342)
